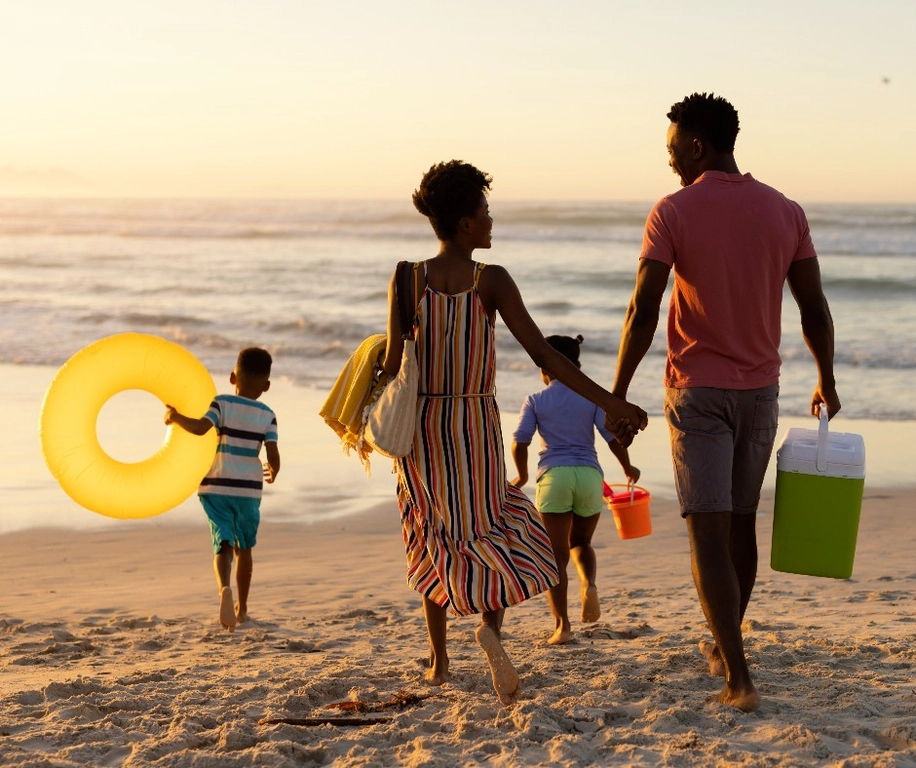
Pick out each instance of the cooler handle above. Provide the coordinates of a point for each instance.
(822, 439)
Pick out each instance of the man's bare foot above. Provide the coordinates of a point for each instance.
(505, 678)
(713, 658)
(561, 636)
(746, 700)
(226, 609)
(591, 608)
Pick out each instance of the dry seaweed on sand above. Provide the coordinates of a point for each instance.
(400, 700)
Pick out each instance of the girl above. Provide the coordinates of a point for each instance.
(473, 542)
(569, 480)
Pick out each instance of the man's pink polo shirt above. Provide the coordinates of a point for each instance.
(731, 241)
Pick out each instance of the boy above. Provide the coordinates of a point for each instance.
(231, 492)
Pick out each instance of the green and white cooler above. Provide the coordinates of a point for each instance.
(820, 478)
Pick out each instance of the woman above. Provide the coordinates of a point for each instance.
(474, 543)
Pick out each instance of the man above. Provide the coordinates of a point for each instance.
(732, 242)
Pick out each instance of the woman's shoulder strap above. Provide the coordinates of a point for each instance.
(478, 268)
(409, 291)
(404, 294)
(418, 283)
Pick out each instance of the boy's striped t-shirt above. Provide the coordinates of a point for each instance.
(243, 426)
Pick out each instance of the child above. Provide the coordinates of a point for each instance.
(231, 492)
(569, 480)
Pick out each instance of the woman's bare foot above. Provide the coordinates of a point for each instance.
(505, 678)
(747, 700)
(437, 674)
(226, 609)
(591, 608)
(434, 676)
(713, 658)
(561, 636)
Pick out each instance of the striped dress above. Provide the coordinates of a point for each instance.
(473, 541)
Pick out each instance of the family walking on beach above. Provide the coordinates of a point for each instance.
(475, 543)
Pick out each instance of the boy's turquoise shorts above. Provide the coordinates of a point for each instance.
(232, 518)
(570, 489)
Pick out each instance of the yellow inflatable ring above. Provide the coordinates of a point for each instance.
(71, 407)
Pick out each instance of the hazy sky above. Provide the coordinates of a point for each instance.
(356, 98)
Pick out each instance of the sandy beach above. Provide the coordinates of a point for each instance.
(111, 653)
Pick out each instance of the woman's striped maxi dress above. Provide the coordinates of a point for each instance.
(473, 541)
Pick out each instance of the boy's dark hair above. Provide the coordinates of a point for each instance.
(708, 117)
(567, 346)
(255, 361)
(448, 192)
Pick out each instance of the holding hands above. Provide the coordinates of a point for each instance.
(625, 420)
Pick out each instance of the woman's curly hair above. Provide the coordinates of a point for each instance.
(448, 192)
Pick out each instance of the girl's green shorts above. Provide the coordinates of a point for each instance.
(570, 489)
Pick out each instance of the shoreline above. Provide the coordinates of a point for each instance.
(318, 481)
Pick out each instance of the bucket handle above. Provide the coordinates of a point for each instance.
(609, 490)
(822, 439)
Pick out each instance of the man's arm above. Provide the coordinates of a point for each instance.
(640, 322)
(817, 328)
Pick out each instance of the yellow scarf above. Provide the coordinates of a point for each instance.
(343, 409)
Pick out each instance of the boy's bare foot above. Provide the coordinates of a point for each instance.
(746, 700)
(713, 658)
(560, 636)
(591, 608)
(226, 609)
(505, 678)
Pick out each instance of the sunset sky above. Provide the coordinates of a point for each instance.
(355, 99)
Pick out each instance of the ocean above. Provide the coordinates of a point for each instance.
(307, 280)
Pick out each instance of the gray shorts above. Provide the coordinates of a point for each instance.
(721, 442)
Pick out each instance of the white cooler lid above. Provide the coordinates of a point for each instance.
(845, 452)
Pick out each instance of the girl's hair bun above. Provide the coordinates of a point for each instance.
(567, 346)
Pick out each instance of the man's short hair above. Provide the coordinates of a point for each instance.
(708, 117)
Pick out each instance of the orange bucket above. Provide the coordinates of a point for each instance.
(630, 506)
